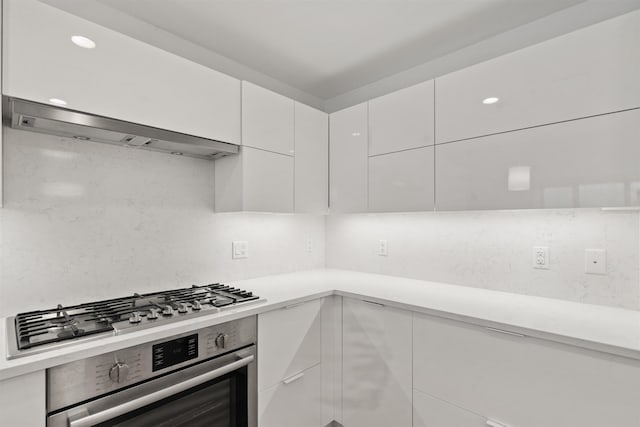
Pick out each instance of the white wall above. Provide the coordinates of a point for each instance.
(85, 221)
(493, 250)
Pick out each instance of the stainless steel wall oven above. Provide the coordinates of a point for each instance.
(202, 378)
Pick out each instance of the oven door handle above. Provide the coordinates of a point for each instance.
(116, 411)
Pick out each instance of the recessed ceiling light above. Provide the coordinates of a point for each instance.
(355, 134)
(84, 42)
(490, 100)
(57, 101)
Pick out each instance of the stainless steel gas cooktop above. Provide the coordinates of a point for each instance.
(38, 331)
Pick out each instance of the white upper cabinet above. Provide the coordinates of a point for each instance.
(348, 159)
(311, 159)
(402, 120)
(591, 162)
(254, 180)
(401, 182)
(587, 72)
(377, 373)
(121, 77)
(267, 120)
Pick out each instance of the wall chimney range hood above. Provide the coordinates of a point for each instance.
(54, 120)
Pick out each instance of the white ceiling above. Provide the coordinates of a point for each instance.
(329, 47)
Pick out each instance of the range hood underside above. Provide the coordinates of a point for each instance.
(52, 120)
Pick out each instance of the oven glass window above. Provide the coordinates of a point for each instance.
(218, 403)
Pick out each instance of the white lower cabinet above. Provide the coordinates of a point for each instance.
(431, 412)
(376, 378)
(295, 401)
(23, 401)
(522, 381)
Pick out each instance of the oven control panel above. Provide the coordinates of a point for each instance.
(84, 379)
(169, 353)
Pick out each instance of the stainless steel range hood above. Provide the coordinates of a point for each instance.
(53, 120)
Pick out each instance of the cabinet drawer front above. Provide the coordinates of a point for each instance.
(376, 365)
(590, 162)
(289, 341)
(523, 381)
(590, 71)
(401, 120)
(295, 402)
(401, 182)
(431, 412)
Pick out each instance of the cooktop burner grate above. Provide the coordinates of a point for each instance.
(37, 328)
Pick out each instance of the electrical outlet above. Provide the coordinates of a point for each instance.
(541, 257)
(383, 248)
(309, 245)
(595, 261)
(239, 249)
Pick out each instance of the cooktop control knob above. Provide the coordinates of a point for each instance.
(221, 340)
(196, 305)
(182, 308)
(167, 310)
(135, 317)
(119, 372)
(153, 313)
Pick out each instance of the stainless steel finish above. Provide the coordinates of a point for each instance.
(119, 372)
(148, 399)
(221, 340)
(502, 331)
(153, 313)
(196, 305)
(293, 378)
(167, 310)
(65, 387)
(112, 405)
(54, 120)
(182, 308)
(135, 317)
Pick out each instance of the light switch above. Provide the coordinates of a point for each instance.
(595, 261)
(240, 249)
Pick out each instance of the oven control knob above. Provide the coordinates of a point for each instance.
(135, 317)
(119, 372)
(182, 308)
(153, 313)
(167, 310)
(221, 340)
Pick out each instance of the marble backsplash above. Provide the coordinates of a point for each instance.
(85, 221)
(493, 250)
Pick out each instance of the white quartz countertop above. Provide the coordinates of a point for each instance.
(600, 328)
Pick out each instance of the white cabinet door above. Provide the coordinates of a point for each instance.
(121, 78)
(431, 412)
(376, 380)
(523, 381)
(590, 71)
(294, 402)
(254, 180)
(591, 162)
(267, 120)
(402, 120)
(289, 342)
(23, 400)
(311, 159)
(348, 159)
(401, 182)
